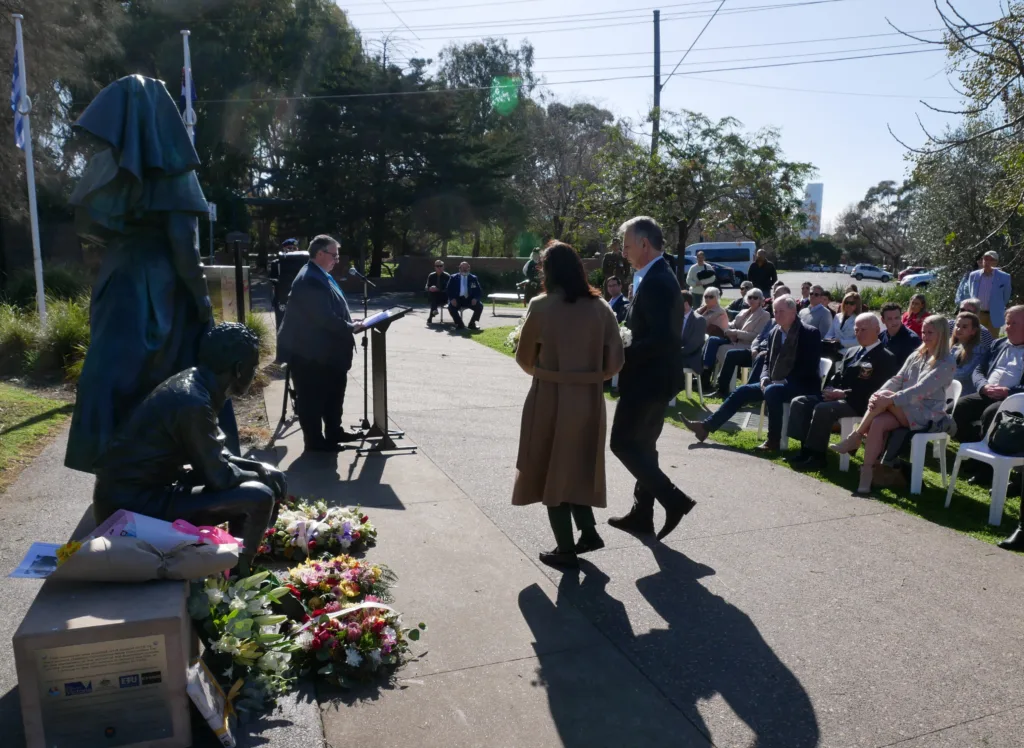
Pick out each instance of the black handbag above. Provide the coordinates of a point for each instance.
(1007, 437)
(705, 274)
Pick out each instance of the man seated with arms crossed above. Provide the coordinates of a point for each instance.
(437, 289)
(752, 357)
(897, 337)
(694, 327)
(613, 289)
(817, 314)
(464, 293)
(862, 371)
(791, 370)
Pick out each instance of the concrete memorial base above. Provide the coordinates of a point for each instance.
(105, 665)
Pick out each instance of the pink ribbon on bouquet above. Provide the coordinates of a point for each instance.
(207, 534)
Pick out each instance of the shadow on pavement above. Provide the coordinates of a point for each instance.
(709, 648)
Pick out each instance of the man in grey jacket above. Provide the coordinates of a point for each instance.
(817, 315)
(317, 341)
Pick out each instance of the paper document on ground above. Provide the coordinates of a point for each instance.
(39, 563)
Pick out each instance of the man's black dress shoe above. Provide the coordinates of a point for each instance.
(584, 546)
(1015, 542)
(474, 326)
(559, 558)
(809, 463)
(632, 522)
(346, 436)
(674, 515)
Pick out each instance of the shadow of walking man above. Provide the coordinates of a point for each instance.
(709, 647)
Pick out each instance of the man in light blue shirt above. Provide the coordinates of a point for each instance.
(991, 287)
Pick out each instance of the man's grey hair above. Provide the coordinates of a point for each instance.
(992, 254)
(754, 293)
(869, 317)
(321, 243)
(781, 291)
(644, 227)
(746, 286)
(976, 303)
(787, 301)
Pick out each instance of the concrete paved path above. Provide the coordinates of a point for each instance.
(783, 612)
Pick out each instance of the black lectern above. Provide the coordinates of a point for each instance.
(378, 325)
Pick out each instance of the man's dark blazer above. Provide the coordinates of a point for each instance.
(317, 324)
(441, 280)
(694, 330)
(472, 287)
(619, 307)
(902, 344)
(654, 358)
(988, 361)
(849, 376)
(806, 374)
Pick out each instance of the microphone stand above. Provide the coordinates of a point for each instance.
(366, 355)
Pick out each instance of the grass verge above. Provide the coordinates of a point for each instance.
(968, 512)
(26, 421)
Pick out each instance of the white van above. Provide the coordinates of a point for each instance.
(735, 255)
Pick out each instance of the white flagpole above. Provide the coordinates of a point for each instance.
(24, 108)
(190, 115)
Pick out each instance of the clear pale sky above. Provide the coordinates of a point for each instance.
(822, 116)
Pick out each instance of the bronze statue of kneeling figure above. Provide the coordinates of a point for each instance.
(169, 461)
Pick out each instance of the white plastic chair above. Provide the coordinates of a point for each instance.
(1001, 464)
(824, 366)
(939, 440)
(690, 375)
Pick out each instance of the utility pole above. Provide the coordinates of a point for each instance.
(657, 83)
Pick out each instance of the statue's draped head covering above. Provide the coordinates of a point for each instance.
(149, 166)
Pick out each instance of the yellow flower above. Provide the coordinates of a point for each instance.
(67, 550)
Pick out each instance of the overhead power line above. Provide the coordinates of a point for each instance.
(690, 48)
(399, 18)
(433, 8)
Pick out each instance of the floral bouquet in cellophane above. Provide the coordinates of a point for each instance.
(327, 586)
(243, 638)
(356, 643)
(627, 336)
(512, 339)
(309, 529)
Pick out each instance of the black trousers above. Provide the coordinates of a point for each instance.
(455, 307)
(973, 416)
(319, 395)
(638, 422)
(437, 300)
(811, 420)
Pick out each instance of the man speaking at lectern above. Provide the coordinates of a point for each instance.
(317, 341)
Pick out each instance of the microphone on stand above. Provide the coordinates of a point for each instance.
(356, 274)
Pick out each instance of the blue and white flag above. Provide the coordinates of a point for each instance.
(19, 118)
(181, 99)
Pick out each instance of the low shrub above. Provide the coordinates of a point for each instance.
(19, 333)
(59, 281)
(875, 296)
(259, 327)
(63, 340)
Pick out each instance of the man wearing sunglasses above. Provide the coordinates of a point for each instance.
(437, 289)
(817, 315)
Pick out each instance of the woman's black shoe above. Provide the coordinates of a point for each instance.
(557, 558)
(585, 546)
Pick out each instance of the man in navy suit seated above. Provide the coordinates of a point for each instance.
(317, 341)
(464, 293)
(613, 289)
(791, 370)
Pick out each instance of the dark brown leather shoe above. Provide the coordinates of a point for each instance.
(698, 428)
(1015, 542)
(768, 446)
(632, 522)
(674, 515)
(557, 558)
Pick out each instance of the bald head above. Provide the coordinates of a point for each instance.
(867, 328)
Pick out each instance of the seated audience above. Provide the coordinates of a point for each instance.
(741, 332)
(974, 307)
(914, 317)
(968, 347)
(860, 374)
(790, 370)
(618, 303)
(805, 296)
(842, 330)
(464, 292)
(437, 289)
(852, 288)
(897, 338)
(741, 303)
(693, 334)
(914, 399)
(752, 357)
(817, 315)
(712, 311)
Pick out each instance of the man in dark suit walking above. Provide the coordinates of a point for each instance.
(437, 289)
(650, 378)
(464, 292)
(861, 373)
(791, 369)
(317, 341)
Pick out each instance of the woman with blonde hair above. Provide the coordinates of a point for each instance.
(915, 398)
(842, 323)
(968, 348)
(570, 344)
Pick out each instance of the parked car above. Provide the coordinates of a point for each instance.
(724, 276)
(920, 280)
(826, 268)
(862, 271)
(912, 270)
(813, 268)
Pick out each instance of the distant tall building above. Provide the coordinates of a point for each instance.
(812, 209)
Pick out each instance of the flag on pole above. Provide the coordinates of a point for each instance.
(19, 118)
(182, 104)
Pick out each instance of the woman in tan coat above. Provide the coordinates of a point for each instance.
(570, 345)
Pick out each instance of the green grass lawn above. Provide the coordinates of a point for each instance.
(25, 422)
(968, 512)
